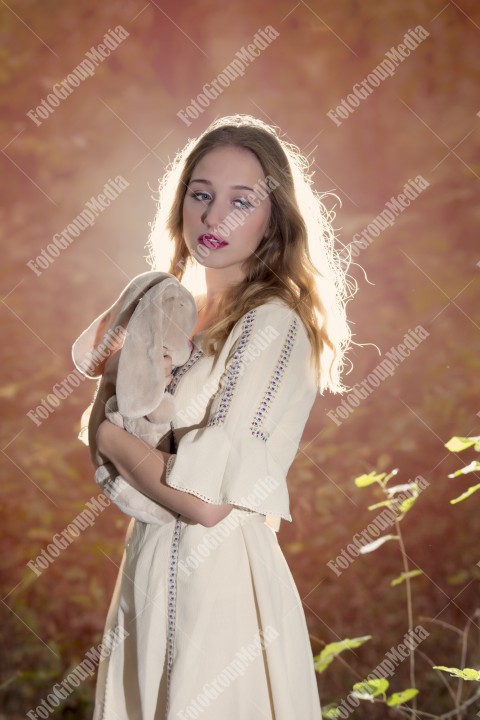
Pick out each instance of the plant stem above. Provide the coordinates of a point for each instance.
(463, 658)
(450, 714)
(443, 679)
(442, 624)
(408, 589)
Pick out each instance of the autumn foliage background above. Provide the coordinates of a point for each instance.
(424, 270)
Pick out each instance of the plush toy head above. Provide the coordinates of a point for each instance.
(153, 312)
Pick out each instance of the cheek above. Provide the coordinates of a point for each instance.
(254, 235)
(259, 223)
(187, 214)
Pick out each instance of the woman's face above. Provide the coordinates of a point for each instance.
(225, 180)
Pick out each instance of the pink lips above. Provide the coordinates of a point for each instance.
(211, 241)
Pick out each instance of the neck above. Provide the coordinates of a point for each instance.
(217, 282)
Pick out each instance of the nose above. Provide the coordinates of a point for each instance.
(213, 215)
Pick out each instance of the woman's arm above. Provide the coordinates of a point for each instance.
(143, 467)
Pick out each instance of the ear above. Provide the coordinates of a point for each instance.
(106, 334)
(141, 368)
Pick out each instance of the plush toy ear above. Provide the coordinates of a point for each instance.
(141, 368)
(98, 342)
(106, 334)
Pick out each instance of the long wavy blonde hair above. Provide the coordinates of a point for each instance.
(295, 261)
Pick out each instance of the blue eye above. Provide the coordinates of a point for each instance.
(245, 203)
(194, 195)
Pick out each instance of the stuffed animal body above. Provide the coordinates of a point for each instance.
(124, 346)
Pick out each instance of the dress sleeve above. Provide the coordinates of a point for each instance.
(242, 454)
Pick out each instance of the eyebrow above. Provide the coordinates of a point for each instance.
(234, 187)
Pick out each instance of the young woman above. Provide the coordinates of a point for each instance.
(213, 623)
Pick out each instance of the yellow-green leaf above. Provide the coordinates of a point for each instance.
(411, 486)
(383, 503)
(474, 466)
(399, 698)
(330, 651)
(330, 712)
(405, 506)
(377, 543)
(465, 674)
(369, 689)
(458, 578)
(466, 494)
(404, 575)
(365, 480)
(457, 444)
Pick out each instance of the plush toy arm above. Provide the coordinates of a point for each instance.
(127, 498)
(112, 414)
(144, 428)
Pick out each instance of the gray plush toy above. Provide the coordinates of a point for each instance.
(124, 346)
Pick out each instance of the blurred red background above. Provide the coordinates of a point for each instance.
(423, 120)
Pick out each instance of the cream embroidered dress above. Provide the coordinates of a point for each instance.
(216, 627)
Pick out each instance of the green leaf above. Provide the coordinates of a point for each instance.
(399, 698)
(377, 543)
(466, 494)
(407, 504)
(365, 480)
(384, 503)
(330, 711)
(412, 487)
(457, 444)
(458, 578)
(474, 466)
(369, 689)
(330, 651)
(404, 575)
(465, 674)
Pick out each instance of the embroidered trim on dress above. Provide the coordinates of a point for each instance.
(234, 371)
(230, 501)
(274, 383)
(172, 599)
(168, 465)
(180, 371)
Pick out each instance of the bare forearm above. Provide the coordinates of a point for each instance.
(143, 467)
